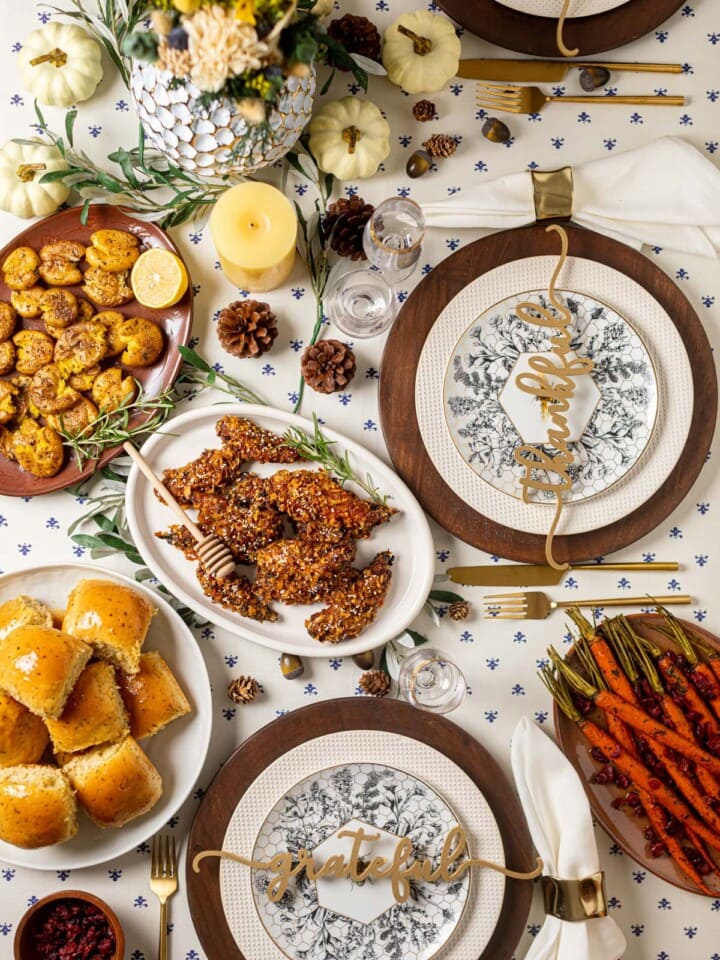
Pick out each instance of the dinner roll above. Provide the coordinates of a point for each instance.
(37, 806)
(115, 783)
(23, 610)
(39, 667)
(112, 617)
(152, 696)
(23, 736)
(94, 712)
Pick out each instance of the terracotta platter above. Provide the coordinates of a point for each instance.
(176, 323)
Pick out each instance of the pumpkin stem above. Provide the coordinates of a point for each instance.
(57, 57)
(26, 171)
(351, 135)
(421, 45)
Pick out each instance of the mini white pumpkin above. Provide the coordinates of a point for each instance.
(60, 64)
(421, 52)
(349, 138)
(21, 167)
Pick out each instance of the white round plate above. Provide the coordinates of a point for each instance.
(407, 535)
(612, 413)
(178, 752)
(365, 917)
(553, 8)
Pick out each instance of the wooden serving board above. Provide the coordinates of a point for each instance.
(537, 35)
(398, 415)
(624, 828)
(353, 713)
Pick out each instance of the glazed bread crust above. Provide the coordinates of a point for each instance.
(23, 736)
(39, 666)
(152, 696)
(94, 712)
(21, 611)
(115, 783)
(37, 806)
(112, 617)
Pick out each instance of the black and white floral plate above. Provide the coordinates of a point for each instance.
(336, 919)
(611, 416)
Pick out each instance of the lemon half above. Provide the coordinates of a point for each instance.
(159, 278)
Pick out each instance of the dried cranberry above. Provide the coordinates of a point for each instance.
(622, 781)
(632, 798)
(657, 849)
(650, 834)
(597, 754)
(653, 783)
(618, 803)
(72, 930)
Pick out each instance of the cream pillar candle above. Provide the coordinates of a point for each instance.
(254, 229)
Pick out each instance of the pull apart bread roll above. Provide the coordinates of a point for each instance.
(111, 617)
(37, 806)
(23, 610)
(23, 736)
(153, 696)
(115, 783)
(39, 666)
(93, 714)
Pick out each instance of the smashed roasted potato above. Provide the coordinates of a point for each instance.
(34, 350)
(21, 268)
(38, 449)
(112, 250)
(7, 356)
(110, 389)
(59, 376)
(107, 289)
(8, 319)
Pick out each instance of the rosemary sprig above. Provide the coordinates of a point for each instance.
(112, 427)
(198, 371)
(318, 449)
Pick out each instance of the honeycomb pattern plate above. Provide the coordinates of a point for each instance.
(333, 917)
(611, 417)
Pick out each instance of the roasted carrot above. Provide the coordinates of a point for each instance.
(655, 815)
(604, 657)
(679, 685)
(699, 673)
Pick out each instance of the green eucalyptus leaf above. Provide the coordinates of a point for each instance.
(445, 596)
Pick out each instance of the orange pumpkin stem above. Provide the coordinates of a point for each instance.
(57, 57)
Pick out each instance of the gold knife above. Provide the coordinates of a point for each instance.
(535, 575)
(547, 70)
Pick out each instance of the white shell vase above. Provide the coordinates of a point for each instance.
(212, 140)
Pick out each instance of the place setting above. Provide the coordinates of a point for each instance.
(357, 406)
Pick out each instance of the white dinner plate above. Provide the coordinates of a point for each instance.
(178, 752)
(407, 535)
(553, 8)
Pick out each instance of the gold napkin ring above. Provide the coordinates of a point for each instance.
(553, 193)
(575, 900)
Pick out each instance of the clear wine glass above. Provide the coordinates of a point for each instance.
(429, 679)
(361, 302)
(392, 238)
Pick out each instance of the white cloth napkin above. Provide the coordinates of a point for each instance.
(558, 815)
(664, 194)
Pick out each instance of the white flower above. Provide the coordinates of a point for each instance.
(220, 47)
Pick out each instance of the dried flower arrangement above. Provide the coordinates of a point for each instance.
(240, 49)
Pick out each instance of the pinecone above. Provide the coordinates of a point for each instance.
(441, 145)
(247, 328)
(375, 683)
(459, 609)
(343, 226)
(327, 366)
(424, 110)
(243, 690)
(357, 35)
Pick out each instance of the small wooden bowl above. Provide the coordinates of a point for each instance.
(23, 945)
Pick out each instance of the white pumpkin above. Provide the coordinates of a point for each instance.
(21, 167)
(349, 138)
(60, 64)
(421, 52)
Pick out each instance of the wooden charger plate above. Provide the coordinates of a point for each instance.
(331, 716)
(398, 416)
(176, 323)
(623, 827)
(525, 33)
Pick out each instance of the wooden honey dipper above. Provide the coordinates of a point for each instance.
(211, 551)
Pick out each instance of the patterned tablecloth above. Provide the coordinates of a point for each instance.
(499, 660)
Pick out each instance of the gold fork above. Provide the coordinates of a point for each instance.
(513, 99)
(536, 605)
(163, 881)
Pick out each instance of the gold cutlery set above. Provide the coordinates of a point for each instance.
(509, 98)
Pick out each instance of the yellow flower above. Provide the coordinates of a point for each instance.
(186, 6)
(245, 11)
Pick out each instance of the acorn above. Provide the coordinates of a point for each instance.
(366, 661)
(418, 164)
(495, 130)
(593, 77)
(291, 666)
